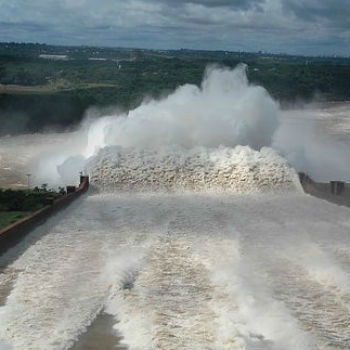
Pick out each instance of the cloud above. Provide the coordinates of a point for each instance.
(236, 4)
(336, 12)
(272, 25)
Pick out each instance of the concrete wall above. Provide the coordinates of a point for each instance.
(334, 191)
(12, 234)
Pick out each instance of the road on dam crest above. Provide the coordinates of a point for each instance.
(183, 271)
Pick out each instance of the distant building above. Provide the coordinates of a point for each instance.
(97, 59)
(54, 57)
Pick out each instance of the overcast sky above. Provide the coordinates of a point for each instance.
(289, 26)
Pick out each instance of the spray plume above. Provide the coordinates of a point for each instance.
(226, 110)
(188, 140)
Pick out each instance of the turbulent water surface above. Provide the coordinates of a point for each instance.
(220, 250)
(185, 271)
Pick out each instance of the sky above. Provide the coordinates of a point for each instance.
(308, 27)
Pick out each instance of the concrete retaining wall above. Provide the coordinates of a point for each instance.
(12, 234)
(334, 191)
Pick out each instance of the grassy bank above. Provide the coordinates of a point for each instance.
(9, 217)
(16, 204)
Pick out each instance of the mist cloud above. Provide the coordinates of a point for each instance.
(224, 111)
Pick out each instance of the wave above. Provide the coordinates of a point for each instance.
(240, 169)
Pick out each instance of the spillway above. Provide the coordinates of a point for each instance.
(183, 271)
(199, 238)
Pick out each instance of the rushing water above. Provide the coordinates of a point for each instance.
(241, 259)
(184, 271)
(218, 270)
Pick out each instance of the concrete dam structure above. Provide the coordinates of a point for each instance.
(334, 191)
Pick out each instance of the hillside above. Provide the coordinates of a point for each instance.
(44, 87)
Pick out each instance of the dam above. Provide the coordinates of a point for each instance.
(196, 232)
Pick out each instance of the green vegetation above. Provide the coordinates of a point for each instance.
(9, 217)
(42, 92)
(16, 204)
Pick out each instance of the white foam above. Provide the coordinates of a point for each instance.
(226, 110)
(238, 169)
(186, 270)
(5, 346)
(247, 313)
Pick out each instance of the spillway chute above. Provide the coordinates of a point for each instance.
(240, 169)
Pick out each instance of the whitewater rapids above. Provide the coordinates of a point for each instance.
(184, 271)
(223, 251)
(240, 169)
